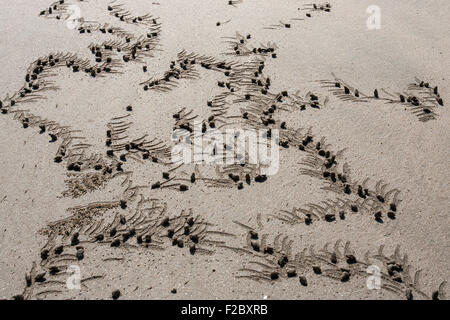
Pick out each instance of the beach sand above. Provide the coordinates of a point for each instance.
(387, 158)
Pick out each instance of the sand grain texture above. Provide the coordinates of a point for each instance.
(86, 141)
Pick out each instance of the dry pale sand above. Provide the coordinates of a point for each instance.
(51, 192)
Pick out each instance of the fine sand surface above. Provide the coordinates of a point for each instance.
(356, 172)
